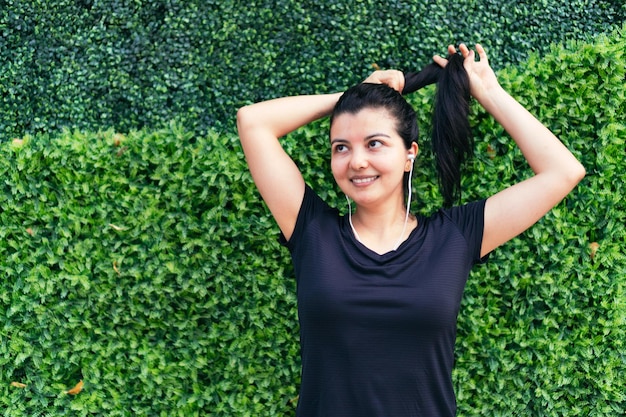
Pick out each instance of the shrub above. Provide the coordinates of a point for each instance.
(146, 266)
(129, 262)
(543, 326)
(128, 65)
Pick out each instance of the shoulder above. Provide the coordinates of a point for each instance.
(459, 215)
(313, 205)
(467, 220)
(313, 210)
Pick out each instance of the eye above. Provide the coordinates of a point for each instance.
(373, 144)
(340, 148)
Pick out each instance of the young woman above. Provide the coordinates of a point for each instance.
(379, 290)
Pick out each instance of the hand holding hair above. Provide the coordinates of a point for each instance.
(451, 136)
(458, 77)
(481, 76)
(392, 78)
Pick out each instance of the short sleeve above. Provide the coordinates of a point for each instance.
(311, 205)
(470, 219)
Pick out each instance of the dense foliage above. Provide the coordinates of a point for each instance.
(130, 64)
(128, 263)
(145, 266)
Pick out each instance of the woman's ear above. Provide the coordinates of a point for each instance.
(413, 150)
(411, 155)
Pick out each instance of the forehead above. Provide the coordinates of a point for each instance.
(363, 123)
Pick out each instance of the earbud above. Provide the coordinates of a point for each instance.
(411, 157)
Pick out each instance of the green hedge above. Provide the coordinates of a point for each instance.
(544, 324)
(133, 64)
(133, 264)
(146, 266)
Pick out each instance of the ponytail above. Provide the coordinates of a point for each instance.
(451, 134)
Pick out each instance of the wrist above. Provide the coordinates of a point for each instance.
(492, 97)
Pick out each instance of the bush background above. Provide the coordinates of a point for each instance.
(137, 257)
(130, 64)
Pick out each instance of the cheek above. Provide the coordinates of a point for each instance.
(334, 166)
(338, 167)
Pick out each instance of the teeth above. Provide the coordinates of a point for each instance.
(363, 180)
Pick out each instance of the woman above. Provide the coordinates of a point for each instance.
(379, 292)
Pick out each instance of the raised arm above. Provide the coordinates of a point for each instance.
(275, 174)
(513, 210)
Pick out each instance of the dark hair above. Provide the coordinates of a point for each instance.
(451, 135)
(367, 95)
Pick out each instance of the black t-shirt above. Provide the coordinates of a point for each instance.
(377, 332)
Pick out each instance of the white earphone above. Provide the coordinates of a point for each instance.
(411, 157)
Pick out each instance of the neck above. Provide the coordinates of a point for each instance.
(380, 227)
(383, 226)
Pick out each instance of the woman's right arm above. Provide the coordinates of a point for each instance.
(275, 174)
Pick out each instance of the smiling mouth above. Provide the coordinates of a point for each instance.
(363, 181)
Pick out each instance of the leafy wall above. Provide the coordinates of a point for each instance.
(146, 266)
(133, 64)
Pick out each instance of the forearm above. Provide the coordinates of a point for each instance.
(541, 148)
(281, 116)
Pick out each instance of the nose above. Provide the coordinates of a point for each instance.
(359, 160)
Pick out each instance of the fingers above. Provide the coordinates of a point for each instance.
(468, 53)
(395, 78)
(481, 52)
(465, 51)
(441, 61)
(392, 78)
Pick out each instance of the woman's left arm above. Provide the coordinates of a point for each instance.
(513, 210)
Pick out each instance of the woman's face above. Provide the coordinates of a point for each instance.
(368, 157)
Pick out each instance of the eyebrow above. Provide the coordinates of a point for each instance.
(365, 139)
